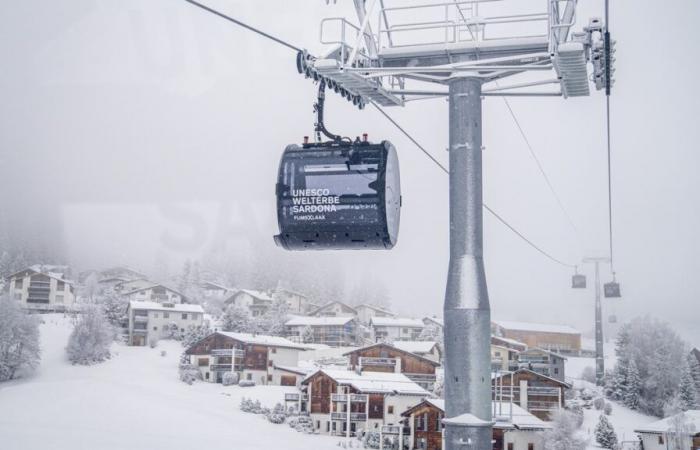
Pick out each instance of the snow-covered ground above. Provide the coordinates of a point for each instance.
(623, 420)
(134, 401)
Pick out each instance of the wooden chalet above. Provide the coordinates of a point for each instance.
(537, 393)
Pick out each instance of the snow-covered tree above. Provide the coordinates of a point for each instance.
(91, 338)
(431, 332)
(588, 374)
(695, 371)
(439, 386)
(687, 393)
(194, 334)
(237, 320)
(189, 373)
(564, 433)
(172, 331)
(605, 434)
(275, 317)
(307, 335)
(5, 265)
(19, 340)
(633, 387)
(91, 288)
(114, 307)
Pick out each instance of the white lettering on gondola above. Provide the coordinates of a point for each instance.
(305, 201)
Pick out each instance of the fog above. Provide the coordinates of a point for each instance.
(148, 132)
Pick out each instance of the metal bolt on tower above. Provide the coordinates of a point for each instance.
(461, 45)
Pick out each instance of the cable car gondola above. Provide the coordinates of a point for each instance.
(578, 281)
(612, 290)
(341, 194)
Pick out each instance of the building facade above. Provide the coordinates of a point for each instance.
(150, 321)
(152, 292)
(366, 312)
(334, 309)
(663, 434)
(395, 329)
(266, 360)
(536, 393)
(41, 291)
(255, 302)
(557, 338)
(545, 362)
(297, 303)
(331, 331)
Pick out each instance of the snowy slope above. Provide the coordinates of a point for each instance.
(624, 420)
(134, 401)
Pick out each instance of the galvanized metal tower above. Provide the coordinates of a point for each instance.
(465, 46)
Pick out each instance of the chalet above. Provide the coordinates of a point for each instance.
(434, 322)
(395, 329)
(503, 358)
(556, 338)
(365, 312)
(345, 402)
(211, 289)
(127, 285)
(41, 291)
(513, 428)
(122, 272)
(427, 349)
(150, 320)
(259, 358)
(153, 292)
(255, 302)
(384, 357)
(664, 434)
(298, 303)
(543, 361)
(539, 394)
(331, 331)
(334, 309)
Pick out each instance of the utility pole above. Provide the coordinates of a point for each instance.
(599, 353)
(466, 310)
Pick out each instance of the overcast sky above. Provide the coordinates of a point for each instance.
(136, 128)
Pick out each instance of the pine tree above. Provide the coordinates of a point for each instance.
(237, 320)
(114, 307)
(619, 380)
(275, 317)
(194, 334)
(605, 434)
(633, 388)
(19, 340)
(694, 365)
(92, 336)
(307, 335)
(687, 393)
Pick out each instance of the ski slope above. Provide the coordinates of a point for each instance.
(134, 401)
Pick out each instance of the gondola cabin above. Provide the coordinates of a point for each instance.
(578, 281)
(338, 195)
(612, 289)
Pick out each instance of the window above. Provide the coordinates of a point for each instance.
(269, 378)
(274, 350)
(184, 316)
(661, 439)
(59, 299)
(556, 371)
(497, 353)
(269, 363)
(206, 375)
(203, 362)
(530, 446)
(166, 315)
(155, 315)
(510, 446)
(249, 376)
(438, 423)
(155, 328)
(60, 285)
(390, 409)
(19, 283)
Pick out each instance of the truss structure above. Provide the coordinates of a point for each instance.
(387, 64)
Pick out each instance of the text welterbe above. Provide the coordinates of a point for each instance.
(306, 201)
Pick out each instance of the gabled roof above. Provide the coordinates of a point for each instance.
(373, 382)
(151, 286)
(376, 308)
(318, 321)
(417, 347)
(506, 342)
(34, 271)
(548, 352)
(434, 320)
(177, 307)
(666, 425)
(520, 419)
(263, 339)
(294, 369)
(214, 284)
(255, 294)
(396, 322)
(329, 304)
(536, 327)
(524, 370)
(393, 347)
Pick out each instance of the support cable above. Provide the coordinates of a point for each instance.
(608, 82)
(426, 152)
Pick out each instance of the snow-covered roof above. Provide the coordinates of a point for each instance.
(509, 341)
(396, 322)
(375, 308)
(417, 347)
(542, 350)
(36, 268)
(335, 302)
(155, 306)
(384, 344)
(434, 320)
(151, 286)
(374, 382)
(318, 321)
(263, 339)
(295, 369)
(521, 419)
(257, 294)
(532, 372)
(538, 327)
(665, 425)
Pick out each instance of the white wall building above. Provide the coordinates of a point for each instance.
(41, 291)
(395, 328)
(427, 349)
(334, 309)
(152, 292)
(298, 303)
(255, 302)
(366, 312)
(661, 435)
(149, 320)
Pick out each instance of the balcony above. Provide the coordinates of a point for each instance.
(140, 319)
(140, 331)
(354, 416)
(221, 367)
(295, 397)
(391, 429)
(35, 299)
(236, 353)
(373, 361)
(354, 398)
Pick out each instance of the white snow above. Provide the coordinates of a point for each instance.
(417, 347)
(177, 307)
(623, 420)
(263, 339)
(376, 382)
(136, 401)
(396, 322)
(318, 321)
(540, 327)
(520, 419)
(663, 425)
